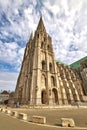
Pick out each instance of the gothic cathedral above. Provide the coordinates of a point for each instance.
(42, 80)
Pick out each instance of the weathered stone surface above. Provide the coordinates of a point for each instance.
(39, 119)
(67, 122)
(14, 113)
(22, 116)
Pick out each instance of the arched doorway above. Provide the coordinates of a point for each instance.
(54, 96)
(44, 97)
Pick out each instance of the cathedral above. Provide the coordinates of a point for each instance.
(42, 80)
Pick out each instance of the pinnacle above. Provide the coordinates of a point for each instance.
(41, 25)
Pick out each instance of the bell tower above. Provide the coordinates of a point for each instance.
(42, 81)
(38, 71)
(45, 86)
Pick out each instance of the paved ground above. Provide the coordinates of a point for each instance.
(54, 116)
(10, 123)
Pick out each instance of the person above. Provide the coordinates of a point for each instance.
(17, 105)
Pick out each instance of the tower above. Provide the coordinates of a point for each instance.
(40, 81)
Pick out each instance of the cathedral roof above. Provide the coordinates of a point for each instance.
(77, 64)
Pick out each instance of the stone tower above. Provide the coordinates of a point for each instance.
(41, 79)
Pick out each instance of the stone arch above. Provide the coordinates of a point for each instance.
(44, 97)
(54, 95)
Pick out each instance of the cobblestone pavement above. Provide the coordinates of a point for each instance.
(54, 115)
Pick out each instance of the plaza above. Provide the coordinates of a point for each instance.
(53, 118)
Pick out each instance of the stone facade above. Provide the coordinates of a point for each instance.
(42, 80)
(82, 70)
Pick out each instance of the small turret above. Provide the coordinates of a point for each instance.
(30, 40)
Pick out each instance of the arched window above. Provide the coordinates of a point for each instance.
(52, 81)
(38, 35)
(43, 65)
(50, 67)
(42, 45)
(48, 47)
(44, 39)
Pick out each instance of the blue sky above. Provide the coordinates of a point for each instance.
(65, 21)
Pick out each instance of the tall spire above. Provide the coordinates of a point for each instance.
(41, 26)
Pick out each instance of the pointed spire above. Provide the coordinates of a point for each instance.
(41, 25)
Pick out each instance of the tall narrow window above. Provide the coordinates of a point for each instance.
(42, 45)
(44, 39)
(48, 47)
(38, 35)
(43, 65)
(50, 67)
(52, 81)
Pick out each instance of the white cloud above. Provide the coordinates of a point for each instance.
(8, 81)
(11, 53)
(51, 7)
(4, 4)
(8, 51)
(68, 28)
(65, 21)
